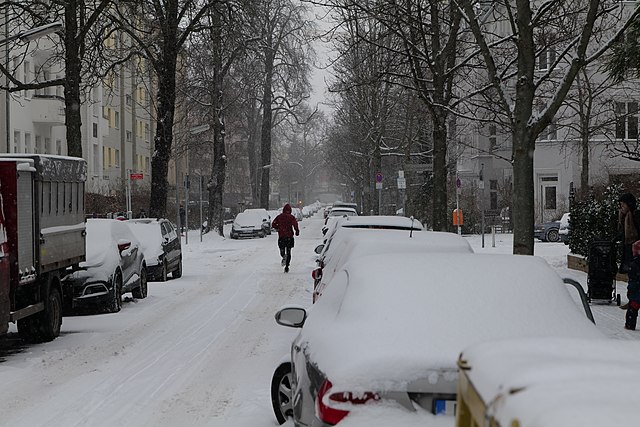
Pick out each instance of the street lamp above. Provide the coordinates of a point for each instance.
(25, 37)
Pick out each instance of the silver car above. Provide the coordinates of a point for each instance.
(390, 327)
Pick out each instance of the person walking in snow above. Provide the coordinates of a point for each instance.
(633, 289)
(286, 224)
(628, 223)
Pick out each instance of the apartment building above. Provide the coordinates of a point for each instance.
(117, 116)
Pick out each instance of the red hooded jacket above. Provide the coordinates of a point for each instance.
(286, 223)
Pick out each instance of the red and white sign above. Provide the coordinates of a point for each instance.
(133, 176)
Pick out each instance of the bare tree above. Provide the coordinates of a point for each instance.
(284, 51)
(510, 58)
(160, 30)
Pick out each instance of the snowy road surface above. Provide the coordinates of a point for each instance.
(199, 351)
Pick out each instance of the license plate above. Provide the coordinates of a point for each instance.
(444, 407)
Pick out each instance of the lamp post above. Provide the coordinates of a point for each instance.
(25, 37)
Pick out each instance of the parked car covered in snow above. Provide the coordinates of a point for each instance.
(563, 232)
(114, 266)
(266, 218)
(160, 245)
(248, 224)
(389, 329)
(352, 243)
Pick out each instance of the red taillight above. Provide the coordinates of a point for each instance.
(316, 274)
(330, 415)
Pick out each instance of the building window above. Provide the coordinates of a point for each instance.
(546, 59)
(550, 197)
(116, 120)
(116, 158)
(96, 158)
(128, 100)
(16, 142)
(493, 199)
(95, 130)
(129, 136)
(27, 77)
(27, 143)
(147, 133)
(626, 120)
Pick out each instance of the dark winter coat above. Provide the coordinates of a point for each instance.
(286, 223)
(626, 246)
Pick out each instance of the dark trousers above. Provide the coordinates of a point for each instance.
(633, 293)
(285, 244)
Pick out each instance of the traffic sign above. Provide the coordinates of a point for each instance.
(136, 176)
(378, 177)
(378, 185)
(402, 183)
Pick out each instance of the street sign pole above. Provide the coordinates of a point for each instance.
(458, 188)
(379, 187)
(186, 210)
(201, 210)
(129, 207)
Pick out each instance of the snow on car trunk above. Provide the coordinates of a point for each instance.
(149, 233)
(387, 320)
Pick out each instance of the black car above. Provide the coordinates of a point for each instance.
(161, 246)
(115, 265)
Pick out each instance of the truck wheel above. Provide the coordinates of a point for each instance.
(45, 325)
(50, 319)
(116, 303)
(177, 273)
(141, 291)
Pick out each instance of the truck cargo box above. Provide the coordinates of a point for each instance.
(44, 211)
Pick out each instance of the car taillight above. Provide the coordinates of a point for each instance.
(328, 414)
(316, 274)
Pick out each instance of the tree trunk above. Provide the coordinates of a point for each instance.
(584, 173)
(439, 207)
(218, 173)
(252, 151)
(523, 200)
(163, 138)
(265, 137)
(73, 69)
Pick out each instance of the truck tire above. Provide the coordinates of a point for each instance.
(45, 325)
(50, 319)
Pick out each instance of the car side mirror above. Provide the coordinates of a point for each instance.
(292, 317)
(123, 245)
(319, 249)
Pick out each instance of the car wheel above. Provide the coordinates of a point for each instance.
(281, 393)
(177, 273)
(116, 303)
(141, 291)
(552, 235)
(163, 273)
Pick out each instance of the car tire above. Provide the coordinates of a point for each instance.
(552, 235)
(163, 272)
(116, 303)
(177, 273)
(142, 290)
(281, 393)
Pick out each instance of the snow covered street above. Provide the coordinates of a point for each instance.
(198, 351)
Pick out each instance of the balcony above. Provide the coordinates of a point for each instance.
(48, 109)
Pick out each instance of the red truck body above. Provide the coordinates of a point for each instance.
(42, 233)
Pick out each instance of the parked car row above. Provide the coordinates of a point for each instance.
(395, 305)
(121, 257)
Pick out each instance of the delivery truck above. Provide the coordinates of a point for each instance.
(42, 233)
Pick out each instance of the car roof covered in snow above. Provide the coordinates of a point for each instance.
(381, 221)
(388, 319)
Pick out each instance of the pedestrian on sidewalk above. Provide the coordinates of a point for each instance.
(286, 224)
(633, 289)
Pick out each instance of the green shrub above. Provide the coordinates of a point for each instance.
(594, 218)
